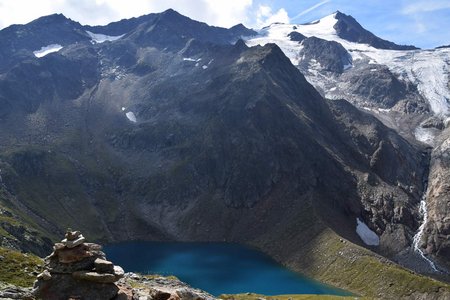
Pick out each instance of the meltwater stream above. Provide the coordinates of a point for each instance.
(218, 268)
(418, 236)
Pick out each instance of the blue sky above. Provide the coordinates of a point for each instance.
(424, 23)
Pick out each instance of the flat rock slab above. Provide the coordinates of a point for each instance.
(103, 266)
(71, 244)
(71, 255)
(94, 277)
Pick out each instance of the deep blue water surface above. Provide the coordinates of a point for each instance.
(218, 268)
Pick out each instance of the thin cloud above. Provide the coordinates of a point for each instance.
(265, 16)
(308, 10)
(215, 12)
(425, 6)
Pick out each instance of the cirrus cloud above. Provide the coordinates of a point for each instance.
(425, 6)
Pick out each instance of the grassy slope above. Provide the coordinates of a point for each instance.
(17, 268)
(310, 247)
(361, 271)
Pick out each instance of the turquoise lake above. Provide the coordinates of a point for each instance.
(218, 268)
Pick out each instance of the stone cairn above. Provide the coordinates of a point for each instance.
(78, 270)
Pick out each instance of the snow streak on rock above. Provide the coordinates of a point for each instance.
(47, 50)
(98, 38)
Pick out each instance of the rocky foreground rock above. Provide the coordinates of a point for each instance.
(80, 270)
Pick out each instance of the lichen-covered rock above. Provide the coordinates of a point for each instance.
(15, 292)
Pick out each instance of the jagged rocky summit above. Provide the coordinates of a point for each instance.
(79, 270)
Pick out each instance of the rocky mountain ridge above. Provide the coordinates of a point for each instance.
(404, 87)
(171, 129)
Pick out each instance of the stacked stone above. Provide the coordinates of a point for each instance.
(78, 270)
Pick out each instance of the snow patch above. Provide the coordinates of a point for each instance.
(369, 237)
(191, 59)
(332, 89)
(123, 108)
(47, 50)
(131, 116)
(445, 145)
(205, 67)
(425, 135)
(98, 38)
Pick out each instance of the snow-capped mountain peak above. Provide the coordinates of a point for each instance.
(339, 37)
(323, 27)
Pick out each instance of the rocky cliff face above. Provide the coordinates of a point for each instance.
(177, 131)
(437, 231)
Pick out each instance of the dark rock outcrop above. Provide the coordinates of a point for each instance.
(331, 55)
(296, 36)
(378, 86)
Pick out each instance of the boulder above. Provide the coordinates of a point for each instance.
(187, 294)
(157, 294)
(45, 275)
(103, 266)
(118, 272)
